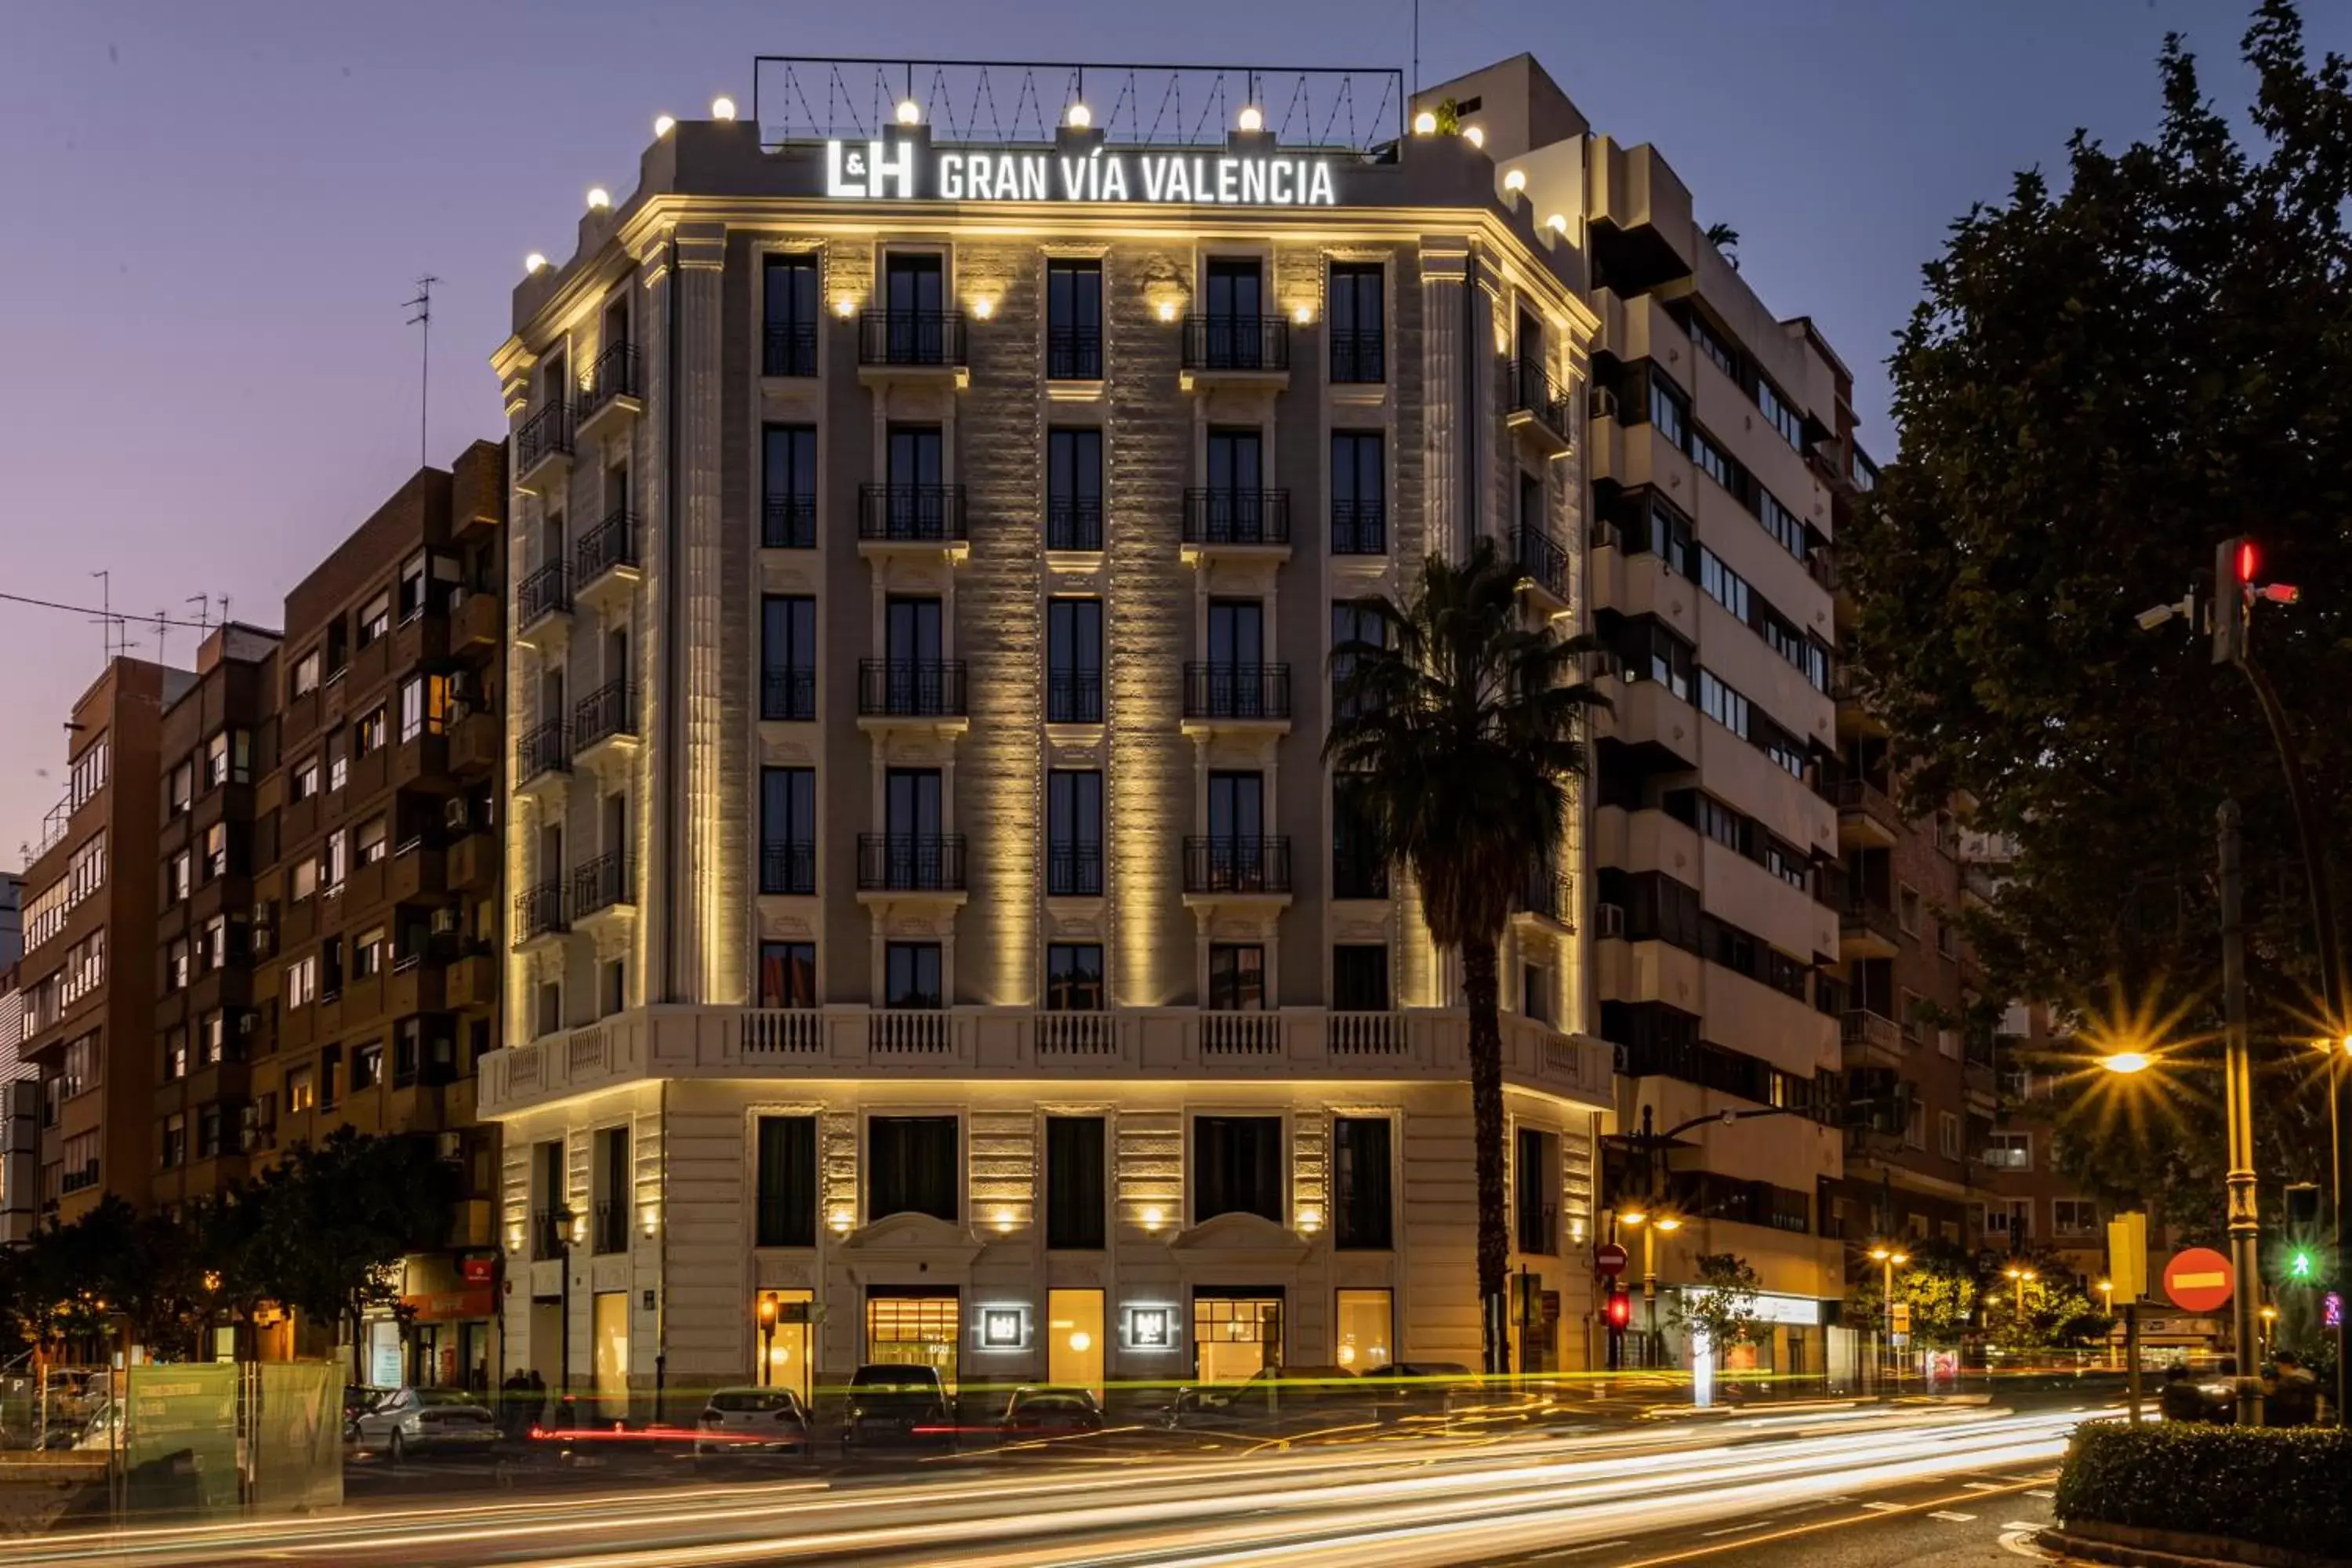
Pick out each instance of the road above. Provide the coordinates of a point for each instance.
(1859, 1486)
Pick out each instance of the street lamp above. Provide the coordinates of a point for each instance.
(2023, 1277)
(767, 1339)
(1650, 1226)
(1889, 1260)
(2107, 1306)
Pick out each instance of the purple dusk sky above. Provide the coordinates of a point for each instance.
(206, 381)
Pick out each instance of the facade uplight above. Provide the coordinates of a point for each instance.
(1153, 1219)
(1517, 180)
(845, 307)
(1302, 314)
(663, 126)
(722, 107)
(599, 198)
(910, 112)
(533, 262)
(1424, 123)
(1475, 137)
(1167, 310)
(1252, 119)
(1080, 117)
(1557, 223)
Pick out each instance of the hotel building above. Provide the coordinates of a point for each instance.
(936, 935)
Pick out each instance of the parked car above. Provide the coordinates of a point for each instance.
(751, 1421)
(1051, 1413)
(426, 1420)
(1426, 1387)
(358, 1399)
(892, 1403)
(1272, 1394)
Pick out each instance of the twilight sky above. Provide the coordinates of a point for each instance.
(216, 210)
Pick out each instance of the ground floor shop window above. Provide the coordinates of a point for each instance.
(908, 1327)
(1235, 1336)
(610, 1336)
(1074, 1342)
(781, 1324)
(1365, 1325)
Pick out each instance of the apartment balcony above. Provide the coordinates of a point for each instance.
(477, 623)
(543, 450)
(477, 745)
(1074, 523)
(901, 693)
(1978, 1088)
(1358, 358)
(602, 891)
(1224, 521)
(1074, 697)
(895, 348)
(1226, 868)
(1074, 872)
(539, 916)
(615, 394)
(420, 760)
(1867, 819)
(1235, 350)
(417, 870)
(609, 560)
(473, 862)
(1230, 697)
(472, 983)
(414, 986)
(1546, 899)
(788, 694)
(1870, 1039)
(788, 522)
(789, 348)
(1545, 570)
(788, 869)
(544, 758)
(1359, 527)
(1538, 411)
(605, 725)
(918, 518)
(1867, 929)
(920, 866)
(543, 608)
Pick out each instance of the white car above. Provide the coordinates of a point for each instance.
(426, 1420)
(748, 1420)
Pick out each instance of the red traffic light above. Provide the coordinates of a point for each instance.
(1621, 1309)
(2246, 561)
(2281, 593)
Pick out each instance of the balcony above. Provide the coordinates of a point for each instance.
(610, 1231)
(475, 624)
(788, 869)
(1074, 523)
(1867, 929)
(1537, 410)
(1357, 873)
(476, 746)
(1074, 872)
(788, 522)
(1246, 523)
(1218, 868)
(1546, 896)
(539, 915)
(1235, 697)
(602, 888)
(543, 757)
(1866, 815)
(615, 393)
(1235, 350)
(922, 517)
(1074, 353)
(789, 694)
(790, 348)
(911, 863)
(604, 724)
(1074, 697)
(898, 346)
(543, 450)
(1359, 527)
(1358, 358)
(543, 607)
(1543, 565)
(609, 560)
(901, 691)
(1870, 1039)
(473, 981)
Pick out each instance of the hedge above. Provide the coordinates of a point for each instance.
(2288, 1487)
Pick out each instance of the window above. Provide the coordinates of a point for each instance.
(1358, 869)
(1670, 538)
(1074, 833)
(788, 830)
(304, 783)
(2009, 1150)
(302, 879)
(1786, 529)
(912, 977)
(2074, 1216)
(789, 298)
(175, 965)
(212, 1038)
(1721, 703)
(330, 969)
(184, 788)
(1779, 415)
(338, 767)
(1358, 341)
(1536, 992)
(175, 879)
(1535, 1186)
(1074, 977)
(1074, 489)
(215, 851)
(302, 1090)
(301, 982)
(88, 775)
(788, 974)
(1074, 321)
(1906, 910)
(1073, 662)
(423, 706)
(1715, 346)
(1354, 628)
(80, 1068)
(1236, 976)
(367, 1065)
(1237, 1167)
(1646, 650)
(1947, 1135)
(367, 735)
(1946, 939)
(788, 658)
(176, 1054)
(1914, 1121)
(208, 1132)
(1362, 1211)
(1075, 1184)
(1360, 978)
(1234, 315)
(1669, 409)
(306, 674)
(215, 943)
(1358, 493)
(787, 488)
(786, 1216)
(1724, 585)
(371, 837)
(330, 1069)
(913, 1166)
(367, 953)
(216, 761)
(377, 618)
(174, 1150)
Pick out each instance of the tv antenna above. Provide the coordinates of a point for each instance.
(423, 306)
(108, 622)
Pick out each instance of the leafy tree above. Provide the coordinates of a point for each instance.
(2056, 1312)
(1462, 727)
(1939, 1283)
(2110, 373)
(1724, 238)
(1722, 1304)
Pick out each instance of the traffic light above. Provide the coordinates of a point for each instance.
(2303, 1208)
(2233, 575)
(1621, 1309)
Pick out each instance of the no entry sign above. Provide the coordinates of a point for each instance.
(1609, 1260)
(2198, 1281)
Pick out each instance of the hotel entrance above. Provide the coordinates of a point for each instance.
(779, 1322)
(1236, 1333)
(1074, 1346)
(914, 1326)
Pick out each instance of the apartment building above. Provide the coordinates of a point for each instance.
(376, 910)
(213, 750)
(937, 936)
(20, 1110)
(1714, 430)
(88, 978)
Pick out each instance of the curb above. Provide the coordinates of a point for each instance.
(2133, 1547)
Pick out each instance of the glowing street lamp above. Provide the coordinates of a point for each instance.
(1650, 1226)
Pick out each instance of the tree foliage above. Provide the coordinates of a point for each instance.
(1457, 735)
(2109, 374)
(1939, 1282)
(1721, 1304)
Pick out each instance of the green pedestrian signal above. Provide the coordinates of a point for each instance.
(2299, 1264)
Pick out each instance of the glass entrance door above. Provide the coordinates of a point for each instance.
(1074, 1348)
(905, 1329)
(1235, 1337)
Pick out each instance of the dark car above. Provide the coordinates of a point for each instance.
(892, 1403)
(1287, 1394)
(1051, 1413)
(1425, 1387)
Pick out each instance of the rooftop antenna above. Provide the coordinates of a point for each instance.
(423, 306)
(204, 603)
(106, 610)
(162, 656)
(1416, 48)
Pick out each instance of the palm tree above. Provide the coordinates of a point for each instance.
(1462, 725)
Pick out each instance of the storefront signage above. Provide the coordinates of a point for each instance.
(880, 170)
(1003, 1328)
(1150, 1329)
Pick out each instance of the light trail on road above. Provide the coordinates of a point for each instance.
(1429, 1501)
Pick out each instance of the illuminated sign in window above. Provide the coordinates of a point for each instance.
(890, 170)
(1151, 1328)
(1003, 1328)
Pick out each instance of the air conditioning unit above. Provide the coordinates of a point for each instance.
(458, 814)
(247, 1020)
(1610, 919)
(445, 922)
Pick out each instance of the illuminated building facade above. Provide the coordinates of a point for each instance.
(936, 935)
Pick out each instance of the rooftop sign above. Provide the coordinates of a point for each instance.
(892, 171)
